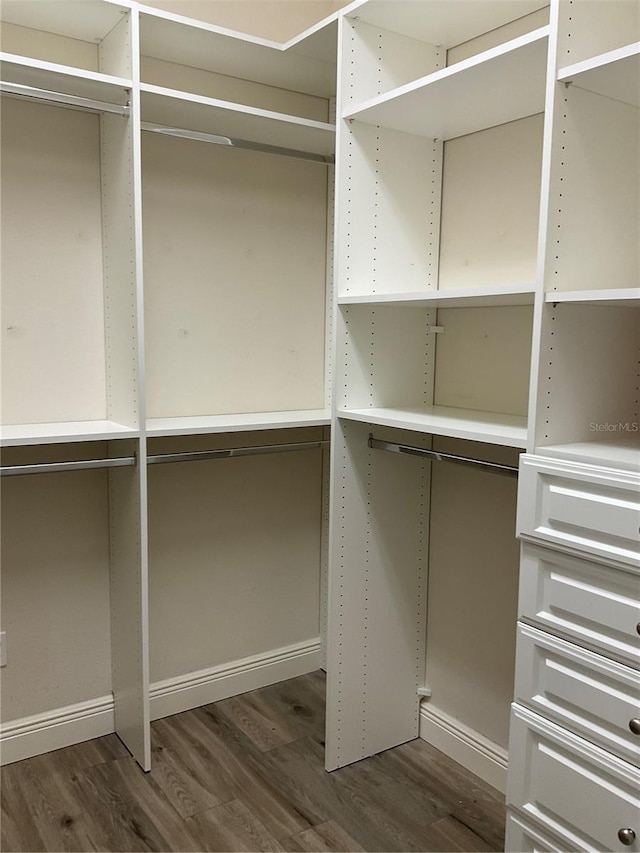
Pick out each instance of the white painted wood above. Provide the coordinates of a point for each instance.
(64, 79)
(590, 695)
(237, 423)
(488, 427)
(464, 297)
(491, 206)
(590, 28)
(116, 50)
(90, 20)
(576, 790)
(593, 511)
(210, 115)
(627, 296)
(377, 597)
(188, 42)
(616, 452)
(469, 748)
(526, 835)
(587, 603)
(441, 22)
(448, 103)
(245, 331)
(615, 74)
(16, 435)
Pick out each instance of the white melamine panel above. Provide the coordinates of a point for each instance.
(464, 297)
(377, 596)
(378, 61)
(588, 603)
(388, 211)
(235, 549)
(527, 836)
(48, 47)
(629, 296)
(589, 28)
(598, 344)
(483, 358)
(473, 592)
(442, 22)
(590, 510)
(493, 38)
(616, 452)
(63, 79)
(615, 74)
(129, 602)
(574, 789)
(487, 427)
(500, 85)
(171, 76)
(594, 195)
(118, 50)
(55, 589)
(234, 279)
(491, 206)
(209, 115)
(89, 20)
(237, 423)
(53, 360)
(591, 696)
(16, 435)
(188, 42)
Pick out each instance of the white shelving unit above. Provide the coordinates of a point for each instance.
(175, 295)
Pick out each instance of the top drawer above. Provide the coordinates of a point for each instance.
(594, 511)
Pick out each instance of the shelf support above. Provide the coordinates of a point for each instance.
(480, 464)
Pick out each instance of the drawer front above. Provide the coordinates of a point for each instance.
(569, 787)
(589, 510)
(584, 692)
(526, 837)
(587, 603)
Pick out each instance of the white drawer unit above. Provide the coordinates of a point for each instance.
(584, 692)
(588, 603)
(572, 788)
(585, 508)
(525, 836)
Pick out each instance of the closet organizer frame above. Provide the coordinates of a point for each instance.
(379, 540)
(117, 29)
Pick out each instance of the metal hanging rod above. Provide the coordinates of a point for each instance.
(246, 144)
(31, 93)
(507, 470)
(199, 455)
(54, 467)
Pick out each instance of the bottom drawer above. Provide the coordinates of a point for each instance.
(571, 788)
(523, 836)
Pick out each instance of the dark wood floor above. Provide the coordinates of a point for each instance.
(247, 774)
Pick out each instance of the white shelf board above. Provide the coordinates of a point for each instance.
(306, 67)
(619, 296)
(237, 423)
(615, 454)
(64, 78)
(476, 297)
(17, 435)
(210, 115)
(88, 20)
(500, 85)
(488, 427)
(615, 74)
(442, 22)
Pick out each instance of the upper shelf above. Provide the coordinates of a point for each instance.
(64, 79)
(476, 297)
(237, 423)
(305, 64)
(442, 22)
(89, 20)
(620, 296)
(497, 86)
(18, 435)
(488, 427)
(615, 74)
(169, 107)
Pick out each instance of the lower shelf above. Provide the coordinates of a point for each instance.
(17, 435)
(488, 427)
(237, 423)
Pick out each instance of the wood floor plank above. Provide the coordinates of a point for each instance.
(327, 837)
(258, 720)
(456, 837)
(233, 826)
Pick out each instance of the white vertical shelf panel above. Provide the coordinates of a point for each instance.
(377, 598)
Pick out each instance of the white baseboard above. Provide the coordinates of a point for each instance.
(34, 735)
(468, 747)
